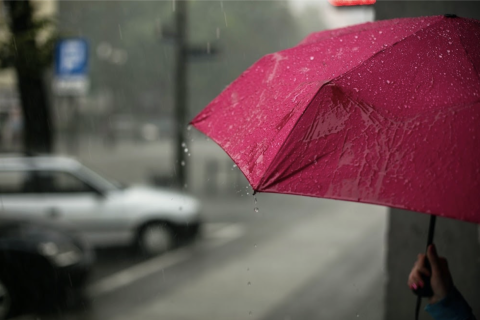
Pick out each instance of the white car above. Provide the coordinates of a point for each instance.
(62, 189)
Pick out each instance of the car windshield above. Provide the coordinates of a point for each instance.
(98, 181)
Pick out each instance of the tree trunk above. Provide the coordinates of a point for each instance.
(38, 131)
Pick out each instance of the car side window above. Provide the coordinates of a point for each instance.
(16, 182)
(61, 182)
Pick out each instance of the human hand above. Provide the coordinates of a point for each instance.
(440, 277)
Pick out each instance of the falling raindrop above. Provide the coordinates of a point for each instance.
(249, 283)
(186, 150)
(189, 127)
(120, 32)
(182, 163)
(218, 33)
(184, 144)
(255, 209)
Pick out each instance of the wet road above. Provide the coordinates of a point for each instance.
(296, 258)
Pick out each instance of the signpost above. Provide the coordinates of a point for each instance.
(71, 81)
(71, 62)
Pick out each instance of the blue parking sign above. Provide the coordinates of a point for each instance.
(71, 62)
(71, 58)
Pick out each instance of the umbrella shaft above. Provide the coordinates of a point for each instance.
(431, 230)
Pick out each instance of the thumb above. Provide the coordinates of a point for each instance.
(433, 258)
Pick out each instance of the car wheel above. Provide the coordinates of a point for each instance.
(155, 238)
(5, 300)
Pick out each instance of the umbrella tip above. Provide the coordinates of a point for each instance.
(450, 15)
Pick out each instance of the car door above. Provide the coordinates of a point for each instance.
(19, 196)
(67, 198)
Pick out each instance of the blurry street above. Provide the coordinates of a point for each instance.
(296, 258)
(117, 204)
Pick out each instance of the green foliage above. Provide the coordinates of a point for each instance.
(42, 33)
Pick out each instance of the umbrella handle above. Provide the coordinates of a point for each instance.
(426, 291)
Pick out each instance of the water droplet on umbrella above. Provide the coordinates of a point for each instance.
(311, 58)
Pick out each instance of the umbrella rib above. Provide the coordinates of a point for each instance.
(278, 180)
(269, 169)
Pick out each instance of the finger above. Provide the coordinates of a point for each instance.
(433, 258)
(420, 261)
(424, 271)
(443, 263)
(415, 280)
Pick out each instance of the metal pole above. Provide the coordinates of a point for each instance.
(180, 90)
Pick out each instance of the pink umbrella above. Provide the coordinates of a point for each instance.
(384, 113)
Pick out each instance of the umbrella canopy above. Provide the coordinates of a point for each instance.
(385, 113)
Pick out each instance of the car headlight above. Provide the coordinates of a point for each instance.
(62, 255)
